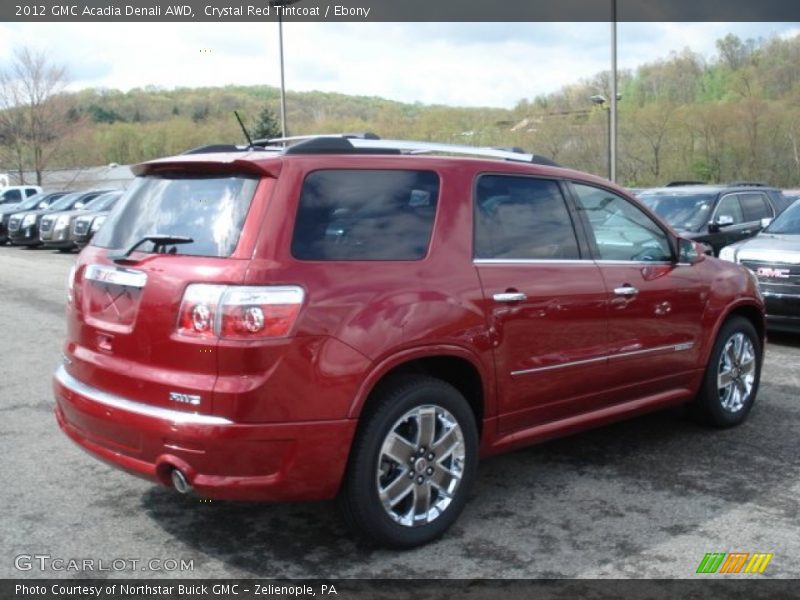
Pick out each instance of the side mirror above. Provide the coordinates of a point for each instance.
(79, 205)
(765, 222)
(42, 205)
(720, 222)
(689, 252)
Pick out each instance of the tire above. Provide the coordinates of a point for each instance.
(730, 383)
(417, 447)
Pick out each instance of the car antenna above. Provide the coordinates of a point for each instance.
(244, 130)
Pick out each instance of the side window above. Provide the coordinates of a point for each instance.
(354, 214)
(522, 218)
(621, 230)
(30, 191)
(12, 196)
(754, 207)
(729, 207)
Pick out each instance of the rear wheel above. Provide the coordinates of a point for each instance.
(412, 464)
(732, 376)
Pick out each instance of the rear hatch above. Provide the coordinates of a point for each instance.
(176, 226)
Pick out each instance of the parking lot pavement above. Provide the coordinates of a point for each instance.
(644, 498)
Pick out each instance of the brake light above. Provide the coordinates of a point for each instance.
(239, 312)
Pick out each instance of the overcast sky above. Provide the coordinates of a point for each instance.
(469, 64)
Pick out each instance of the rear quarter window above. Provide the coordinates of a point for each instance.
(354, 214)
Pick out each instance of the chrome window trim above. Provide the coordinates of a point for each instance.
(120, 403)
(682, 347)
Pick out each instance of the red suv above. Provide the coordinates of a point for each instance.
(352, 317)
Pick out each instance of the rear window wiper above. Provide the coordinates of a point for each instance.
(160, 241)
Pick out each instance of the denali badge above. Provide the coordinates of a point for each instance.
(184, 398)
(770, 272)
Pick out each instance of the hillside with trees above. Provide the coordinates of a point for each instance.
(733, 116)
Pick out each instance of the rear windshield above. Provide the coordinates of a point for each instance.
(688, 212)
(351, 214)
(209, 210)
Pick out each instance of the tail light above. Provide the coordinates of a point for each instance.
(239, 312)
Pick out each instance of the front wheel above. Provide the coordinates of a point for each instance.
(732, 376)
(412, 464)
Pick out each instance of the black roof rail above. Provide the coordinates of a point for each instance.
(282, 141)
(209, 148)
(333, 145)
(748, 184)
(680, 183)
(369, 143)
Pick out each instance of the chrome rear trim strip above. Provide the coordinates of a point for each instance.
(118, 402)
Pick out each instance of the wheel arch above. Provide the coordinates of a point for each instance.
(455, 365)
(746, 309)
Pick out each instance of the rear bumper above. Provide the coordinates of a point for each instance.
(220, 458)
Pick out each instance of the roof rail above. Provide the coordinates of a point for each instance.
(748, 184)
(411, 147)
(367, 135)
(680, 183)
(209, 148)
(369, 143)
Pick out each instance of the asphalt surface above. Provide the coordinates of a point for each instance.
(645, 498)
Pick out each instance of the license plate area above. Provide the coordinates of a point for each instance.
(111, 297)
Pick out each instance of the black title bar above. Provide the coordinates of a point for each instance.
(399, 10)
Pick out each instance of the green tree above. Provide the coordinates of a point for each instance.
(266, 126)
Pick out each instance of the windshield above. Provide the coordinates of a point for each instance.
(32, 202)
(65, 202)
(104, 202)
(786, 222)
(687, 212)
(209, 210)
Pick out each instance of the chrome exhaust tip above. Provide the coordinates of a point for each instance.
(180, 482)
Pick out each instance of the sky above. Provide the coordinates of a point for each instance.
(459, 64)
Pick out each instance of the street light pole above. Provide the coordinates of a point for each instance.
(612, 121)
(603, 103)
(283, 83)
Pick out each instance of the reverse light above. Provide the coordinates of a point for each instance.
(239, 312)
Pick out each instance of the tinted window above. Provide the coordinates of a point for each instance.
(522, 218)
(365, 215)
(754, 207)
(209, 210)
(729, 207)
(621, 230)
(11, 196)
(688, 212)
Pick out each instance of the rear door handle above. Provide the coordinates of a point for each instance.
(510, 297)
(626, 290)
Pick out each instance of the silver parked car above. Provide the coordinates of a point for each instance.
(774, 256)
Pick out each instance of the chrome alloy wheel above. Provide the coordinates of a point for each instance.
(420, 466)
(736, 372)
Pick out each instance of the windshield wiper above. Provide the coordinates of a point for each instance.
(160, 241)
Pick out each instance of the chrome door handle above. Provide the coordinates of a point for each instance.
(626, 290)
(510, 297)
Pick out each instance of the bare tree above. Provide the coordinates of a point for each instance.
(32, 110)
